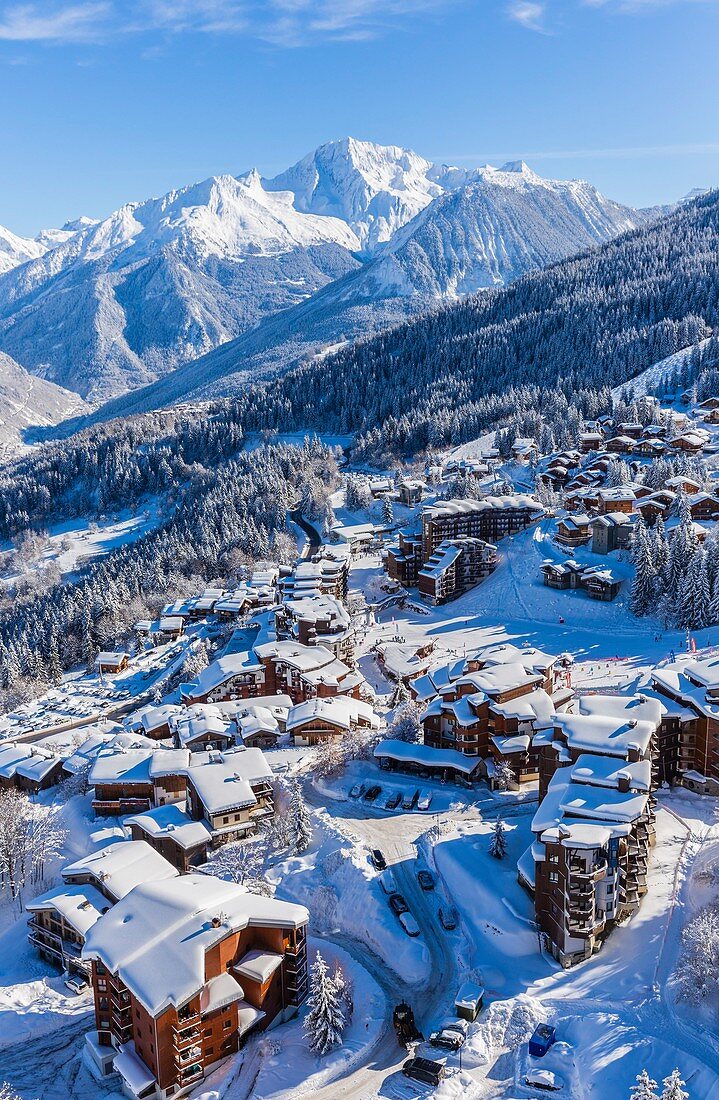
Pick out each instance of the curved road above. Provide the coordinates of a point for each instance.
(396, 836)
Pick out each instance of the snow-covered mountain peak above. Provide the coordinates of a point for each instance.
(15, 250)
(374, 188)
(518, 166)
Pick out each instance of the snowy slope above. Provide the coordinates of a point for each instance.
(163, 281)
(658, 373)
(499, 225)
(26, 402)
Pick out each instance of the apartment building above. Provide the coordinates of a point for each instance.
(61, 918)
(182, 971)
(456, 566)
(272, 668)
(317, 619)
(688, 691)
(587, 867)
(231, 793)
(491, 704)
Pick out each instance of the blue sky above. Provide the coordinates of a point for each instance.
(103, 101)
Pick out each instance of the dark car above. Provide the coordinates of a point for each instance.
(424, 1069)
(397, 904)
(372, 793)
(448, 917)
(425, 880)
(393, 800)
(378, 860)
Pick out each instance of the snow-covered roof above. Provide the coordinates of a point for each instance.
(605, 735)
(220, 991)
(110, 657)
(153, 717)
(157, 937)
(225, 782)
(172, 822)
(224, 669)
(535, 705)
(133, 1070)
(120, 867)
(258, 966)
(446, 508)
(578, 835)
(428, 757)
(113, 764)
(604, 771)
(200, 725)
(80, 905)
(342, 711)
(10, 757)
(169, 762)
(36, 766)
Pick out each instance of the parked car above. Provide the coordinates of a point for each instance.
(397, 904)
(424, 1069)
(454, 1024)
(409, 800)
(448, 1038)
(378, 860)
(409, 924)
(76, 984)
(425, 800)
(386, 881)
(448, 917)
(425, 879)
(543, 1037)
(393, 800)
(357, 791)
(543, 1079)
(372, 793)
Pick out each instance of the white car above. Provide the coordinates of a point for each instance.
(425, 800)
(76, 984)
(543, 1079)
(386, 881)
(409, 924)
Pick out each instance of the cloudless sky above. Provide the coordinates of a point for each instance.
(107, 101)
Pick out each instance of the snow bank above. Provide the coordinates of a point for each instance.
(337, 883)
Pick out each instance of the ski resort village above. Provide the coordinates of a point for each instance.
(416, 796)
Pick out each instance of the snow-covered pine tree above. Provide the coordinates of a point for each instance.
(7, 1092)
(387, 511)
(644, 583)
(498, 841)
(645, 1088)
(300, 821)
(343, 988)
(674, 1087)
(325, 1020)
(695, 598)
(406, 725)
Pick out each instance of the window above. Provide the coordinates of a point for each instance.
(209, 1051)
(226, 1024)
(554, 858)
(553, 876)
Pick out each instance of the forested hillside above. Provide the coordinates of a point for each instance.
(552, 344)
(592, 321)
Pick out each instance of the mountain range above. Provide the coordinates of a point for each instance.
(194, 292)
